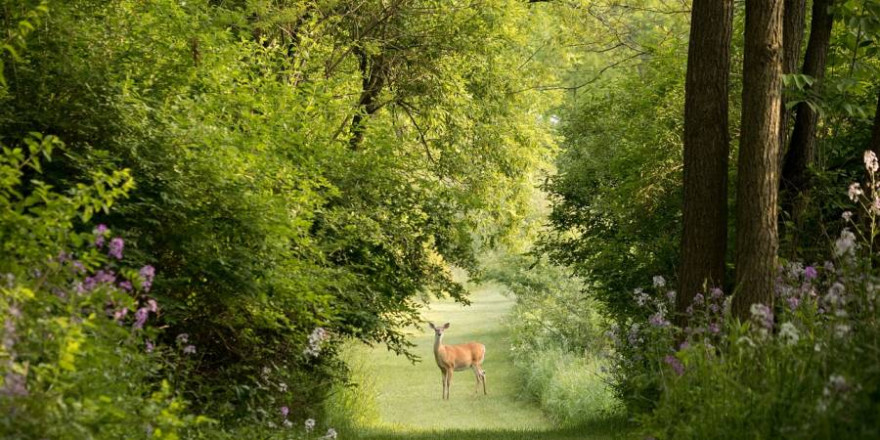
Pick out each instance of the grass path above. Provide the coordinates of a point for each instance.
(408, 396)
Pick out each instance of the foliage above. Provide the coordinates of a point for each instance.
(803, 369)
(268, 210)
(613, 208)
(555, 331)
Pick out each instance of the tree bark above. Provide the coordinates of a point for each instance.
(801, 150)
(757, 184)
(875, 133)
(373, 75)
(706, 150)
(792, 39)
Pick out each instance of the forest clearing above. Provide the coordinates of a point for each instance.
(439, 219)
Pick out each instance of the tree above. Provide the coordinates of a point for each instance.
(800, 152)
(706, 149)
(792, 38)
(875, 133)
(757, 186)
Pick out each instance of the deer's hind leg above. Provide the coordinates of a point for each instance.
(481, 377)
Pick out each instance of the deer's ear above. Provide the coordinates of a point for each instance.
(445, 326)
(431, 324)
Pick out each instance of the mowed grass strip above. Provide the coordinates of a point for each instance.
(409, 396)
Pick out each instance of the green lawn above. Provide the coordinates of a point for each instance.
(409, 396)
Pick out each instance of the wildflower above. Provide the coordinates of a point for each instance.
(671, 296)
(189, 349)
(182, 338)
(763, 315)
(285, 411)
(846, 244)
(698, 299)
(641, 297)
(147, 273)
(331, 434)
(684, 345)
(149, 347)
(316, 339)
(287, 424)
(871, 161)
(793, 302)
(847, 215)
(789, 333)
(659, 281)
(841, 330)
(715, 328)
(835, 293)
(100, 231)
(836, 384)
(115, 249)
(716, 294)
(634, 334)
(152, 305)
(14, 385)
(676, 364)
(126, 286)
(120, 314)
(140, 318)
(658, 320)
(855, 190)
(282, 387)
(310, 425)
(810, 273)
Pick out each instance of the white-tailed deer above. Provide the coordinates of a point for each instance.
(458, 357)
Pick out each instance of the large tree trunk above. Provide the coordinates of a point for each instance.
(706, 149)
(875, 134)
(801, 150)
(757, 184)
(792, 39)
(372, 68)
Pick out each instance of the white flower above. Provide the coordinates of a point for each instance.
(855, 190)
(310, 425)
(789, 333)
(659, 281)
(845, 244)
(331, 434)
(847, 215)
(641, 297)
(841, 330)
(871, 161)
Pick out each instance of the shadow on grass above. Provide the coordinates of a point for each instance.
(612, 428)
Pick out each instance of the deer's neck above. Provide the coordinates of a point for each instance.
(438, 347)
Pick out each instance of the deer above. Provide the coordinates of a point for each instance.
(458, 357)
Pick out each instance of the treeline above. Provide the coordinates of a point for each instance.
(717, 195)
(200, 200)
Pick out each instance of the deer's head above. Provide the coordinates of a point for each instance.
(438, 331)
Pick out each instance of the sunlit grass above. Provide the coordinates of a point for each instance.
(406, 396)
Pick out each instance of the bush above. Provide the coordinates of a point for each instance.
(804, 368)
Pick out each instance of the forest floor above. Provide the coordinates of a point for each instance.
(408, 396)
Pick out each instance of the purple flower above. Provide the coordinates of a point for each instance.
(810, 273)
(116, 246)
(140, 317)
(152, 305)
(793, 303)
(147, 273)
(189, 349)
(150, 347)
(684, 345)
(762, 315)
(676, 364)
(120, 314)
(100, 231)
(126, 286)
(285, 411)
(714, 328)
(716, 293)
(657, 320)
(698, 299)
(14, 385)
